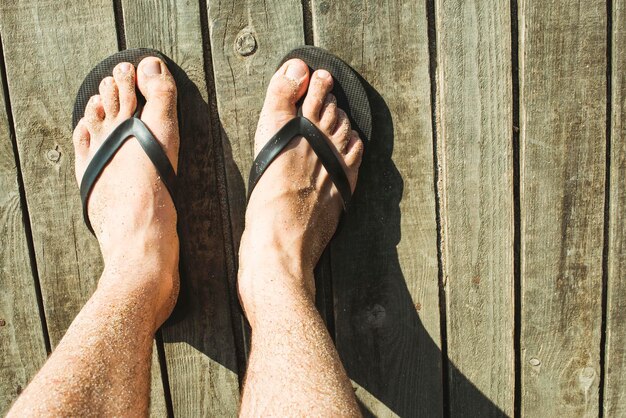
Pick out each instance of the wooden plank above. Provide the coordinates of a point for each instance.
(43, 74)
(200, 350)
(240, 84)
(241, 81)
(474, 115)
(384, 261)
(46, 56)
(22, 343)
(562, 72)
(158, 406)
(615, 364)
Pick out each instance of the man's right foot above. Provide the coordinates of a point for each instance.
(131, 211)
(295, 207)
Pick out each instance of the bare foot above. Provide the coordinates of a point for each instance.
(291, 216)
(130, 209)
(294, 209)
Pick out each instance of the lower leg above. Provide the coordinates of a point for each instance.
(294, 368)
(101, 367)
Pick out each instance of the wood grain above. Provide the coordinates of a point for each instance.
(615, 363)
(474, 115)
(384, 260)
(158, 404)
(22, 342)
(562, 72)
(240, 85)
(44, 70)
(43, 76)
(200, 350)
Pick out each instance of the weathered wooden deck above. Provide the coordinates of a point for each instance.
(482, 271)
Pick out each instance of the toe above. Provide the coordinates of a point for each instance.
(286, 87)
(80, 138)
(353, 154)
(94, 113)
(94, 120)
(328, 115)
(124, 75)
(157, 85)
(341, 133)
(321, 84)
(110, 98)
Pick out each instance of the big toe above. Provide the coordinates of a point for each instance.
(287, 86)
(157, 85)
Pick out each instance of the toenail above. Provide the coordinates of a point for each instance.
(323, 74)
(295, 72)
(152, 67)
(125, 67)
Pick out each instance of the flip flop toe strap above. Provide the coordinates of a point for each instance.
(297, 126)
(132, 127)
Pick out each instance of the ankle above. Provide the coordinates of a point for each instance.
(269, 283)
(265, 308)
(143, 254)
(144, 275)
(280, 244)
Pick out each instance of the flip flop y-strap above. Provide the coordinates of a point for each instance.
(301, 126)
(132, 127)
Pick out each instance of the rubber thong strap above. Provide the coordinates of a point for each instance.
(129, 128)
(300, 125)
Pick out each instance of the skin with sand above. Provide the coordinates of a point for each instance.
(102, 364)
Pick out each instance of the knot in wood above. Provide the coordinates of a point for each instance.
(53, 155)
(245, 44)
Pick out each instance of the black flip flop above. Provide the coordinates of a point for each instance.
(130, 127)
(351, 97)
